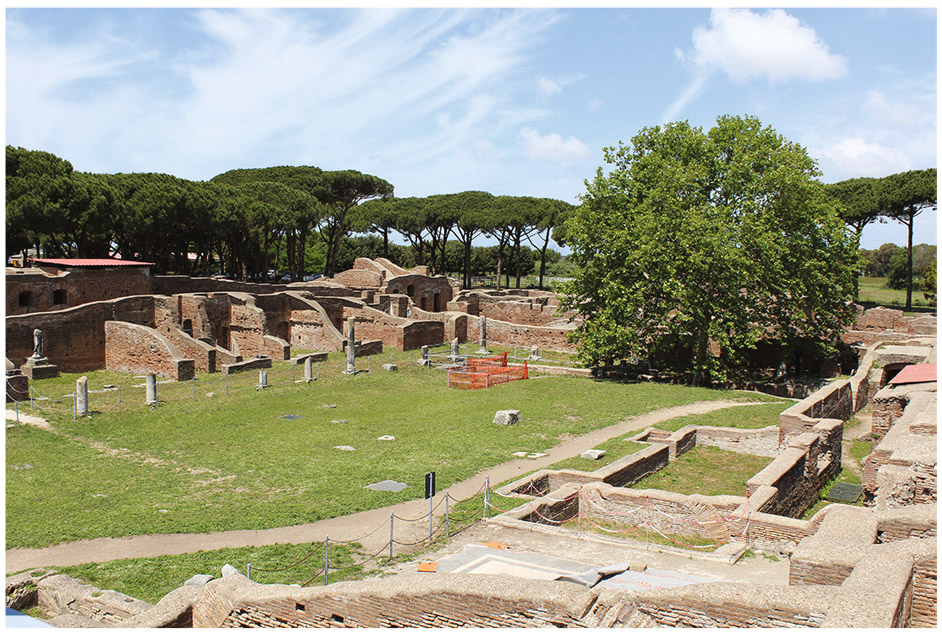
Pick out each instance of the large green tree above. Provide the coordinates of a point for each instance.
(697, 245)
(905, 196)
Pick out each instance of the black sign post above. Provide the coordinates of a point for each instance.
(429, 484)
(429, 494)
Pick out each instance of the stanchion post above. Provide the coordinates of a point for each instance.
(430, 498)
(326, 557)
(487, 498)
(74, 406)
(119, 399)
(392, 518)
(31, 397)
(248, 571)
(292, 371)
(447, 526)
(318, 370)
(16, 408)
(227, 384)
(194, 387)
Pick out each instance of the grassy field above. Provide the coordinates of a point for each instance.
(706, 470)
(204, 461)
(149, 579)
(873, 290)
(746, 417)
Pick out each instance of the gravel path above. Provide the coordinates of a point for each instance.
(360, 527)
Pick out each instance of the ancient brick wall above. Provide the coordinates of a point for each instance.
(312, 330)
(835, 400)
(75, 337)
(507, 334)
(139, 350)
(925, 602)
(419, 333)
(359, 278)
(800, 471)
(397, 602)
(203, 354)
(72, 288)
(427, 293)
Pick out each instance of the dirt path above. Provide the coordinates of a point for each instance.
(370, 528)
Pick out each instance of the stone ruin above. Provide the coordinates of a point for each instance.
(174, 325)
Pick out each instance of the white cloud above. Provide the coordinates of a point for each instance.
(773, 44)
(852, 157)
(547, 87)
(893, 113)
(279, 84)
(552, 147)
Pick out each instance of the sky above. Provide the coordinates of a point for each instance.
(513, 101)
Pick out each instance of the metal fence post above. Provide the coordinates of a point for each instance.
(16, 408)
(31, 397)
(194, 387)
(430, 498)
(447, 526)
(74, 405)
(227, 384)
(292, 371)
(392, 518)
(248, 571)
(318, 370)
(326, 557)
(119, 399)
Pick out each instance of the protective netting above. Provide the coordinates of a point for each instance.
(485, 372)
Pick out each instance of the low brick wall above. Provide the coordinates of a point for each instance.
(508, 334)
(140, 350)
(835, 400)
(799, 472)
(75, 337)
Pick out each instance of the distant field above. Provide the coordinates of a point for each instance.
(204, 461)
(873, 290)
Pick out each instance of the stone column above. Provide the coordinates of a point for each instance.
(308, 370)
(454, 349)
(81, 396)
(483, 339)
(262, 379)
(351, 348)
(151, 391)
(425, 359)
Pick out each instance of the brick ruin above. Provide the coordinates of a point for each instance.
(121, 318)
(871, 566)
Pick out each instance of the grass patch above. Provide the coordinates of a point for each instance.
(706, 470)
(204, 461)
(745, 417)
(860, 449)
(149, 579)
(615, 449)
(846, 475)
(873, 290)
(603, 527)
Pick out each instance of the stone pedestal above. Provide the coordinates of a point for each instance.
(39, 368)
(17, 386)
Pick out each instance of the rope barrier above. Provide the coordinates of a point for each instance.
(403, 519)
(351, 541)
(289, 567)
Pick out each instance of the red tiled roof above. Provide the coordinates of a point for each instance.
(80, 262)
(916, 373)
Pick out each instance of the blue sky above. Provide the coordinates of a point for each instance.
(510, 101)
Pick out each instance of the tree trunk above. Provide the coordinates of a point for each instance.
(467, 264)
(909, 263)
(500, 262)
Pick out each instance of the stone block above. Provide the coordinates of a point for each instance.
(198, 580)
(37, 372)
(507, 417)
(593, 454)
(390, 367)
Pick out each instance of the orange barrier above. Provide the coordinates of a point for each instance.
(482, 376)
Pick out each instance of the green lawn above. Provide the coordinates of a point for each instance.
(707, 471)
(222, 463)
(873, 290)
(149, 579)
(615, 449)
(745, 417)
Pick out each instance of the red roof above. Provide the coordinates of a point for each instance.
(916, 373)
(80, 262)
